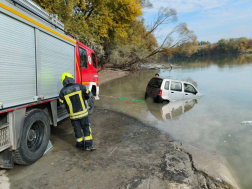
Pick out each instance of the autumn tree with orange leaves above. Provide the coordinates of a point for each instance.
(116, 29)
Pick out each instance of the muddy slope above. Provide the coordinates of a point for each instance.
(130, 154)
(108, 74)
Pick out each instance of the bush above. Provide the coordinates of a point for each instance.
(127, 55)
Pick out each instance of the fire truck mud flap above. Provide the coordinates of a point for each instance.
(6, 159)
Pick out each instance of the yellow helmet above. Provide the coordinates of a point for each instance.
(64, 75)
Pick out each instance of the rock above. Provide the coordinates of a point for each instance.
(219, 180)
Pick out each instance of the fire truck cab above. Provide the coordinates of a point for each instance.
(87, 68)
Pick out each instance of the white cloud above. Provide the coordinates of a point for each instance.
(228, 23)
(210, 20)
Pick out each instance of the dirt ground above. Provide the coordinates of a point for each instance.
(129, 154)
(108, 74)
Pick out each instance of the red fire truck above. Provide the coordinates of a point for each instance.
(34, 52)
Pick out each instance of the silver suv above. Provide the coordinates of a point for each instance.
(171, 90)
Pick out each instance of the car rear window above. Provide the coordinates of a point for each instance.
(155, 82)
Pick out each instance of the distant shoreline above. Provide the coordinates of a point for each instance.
(212, 55)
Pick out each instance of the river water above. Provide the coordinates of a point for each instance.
(212, 122)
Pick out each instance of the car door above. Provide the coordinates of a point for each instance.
(166, 89)
(175, 92)
(189, 91)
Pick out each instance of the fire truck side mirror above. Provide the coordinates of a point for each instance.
(102, 66)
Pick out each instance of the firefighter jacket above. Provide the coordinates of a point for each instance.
(73, 96)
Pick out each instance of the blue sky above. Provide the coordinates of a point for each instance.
(210, 20)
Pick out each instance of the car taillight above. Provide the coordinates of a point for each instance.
(160, 92)
(146, 88)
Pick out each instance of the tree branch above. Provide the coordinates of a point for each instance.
(165, 16)
(90, 12)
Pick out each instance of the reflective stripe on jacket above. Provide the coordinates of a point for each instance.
(73, 96)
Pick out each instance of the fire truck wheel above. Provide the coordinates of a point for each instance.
(91, 104)
(34, 139)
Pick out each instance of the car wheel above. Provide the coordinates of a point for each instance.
(34, 139)
(159, 100)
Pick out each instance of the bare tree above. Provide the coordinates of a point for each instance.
(178, 35)
(165, 16)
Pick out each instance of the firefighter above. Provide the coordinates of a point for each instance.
(72, 96)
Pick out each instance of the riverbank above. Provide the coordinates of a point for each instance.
(194, 56)
(108, 74)
(129, 154)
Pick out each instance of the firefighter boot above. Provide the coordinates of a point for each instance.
(80, 145)
(89, 145)
(88, 148)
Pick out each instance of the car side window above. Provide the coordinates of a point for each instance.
(94, 60)
(189, 88)
(176, 86)
(166, 87)
(83, 58)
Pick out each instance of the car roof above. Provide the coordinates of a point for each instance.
(177, 80)
(171, 80)
(157, 78)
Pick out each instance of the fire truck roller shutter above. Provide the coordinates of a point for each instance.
(54, 58)
(17, 62)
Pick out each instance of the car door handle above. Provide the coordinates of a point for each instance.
(186, 94)
(172, 92)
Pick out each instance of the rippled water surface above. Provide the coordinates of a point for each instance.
(212, 122)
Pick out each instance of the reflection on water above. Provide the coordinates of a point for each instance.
(172, 110)
(212, 122)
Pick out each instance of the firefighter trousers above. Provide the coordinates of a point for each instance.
(84, 125)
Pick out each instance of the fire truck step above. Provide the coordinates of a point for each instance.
(4, 137)
(62, 113)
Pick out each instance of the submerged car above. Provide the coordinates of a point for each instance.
(170, 90)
